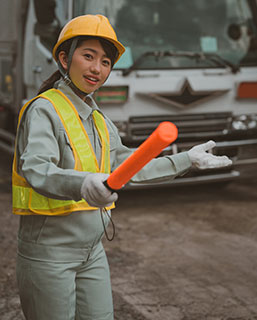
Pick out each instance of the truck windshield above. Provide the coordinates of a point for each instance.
(222, 27)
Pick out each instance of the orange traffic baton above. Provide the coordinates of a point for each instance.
(163, 135)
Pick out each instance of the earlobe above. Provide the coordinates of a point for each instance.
(63, 60)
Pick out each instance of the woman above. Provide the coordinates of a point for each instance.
(65, 148)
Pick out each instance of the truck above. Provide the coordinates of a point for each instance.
(190, 62)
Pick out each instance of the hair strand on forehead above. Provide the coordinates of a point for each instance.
(108, 47)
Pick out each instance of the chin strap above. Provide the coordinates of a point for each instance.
(65, 73)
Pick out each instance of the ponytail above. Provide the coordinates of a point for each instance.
(49, 83)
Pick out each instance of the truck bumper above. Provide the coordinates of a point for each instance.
(243, 153)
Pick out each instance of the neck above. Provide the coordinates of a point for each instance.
(78, 92)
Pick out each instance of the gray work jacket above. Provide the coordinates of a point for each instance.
(45, 160)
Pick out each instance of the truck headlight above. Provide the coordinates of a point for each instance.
(244, 122)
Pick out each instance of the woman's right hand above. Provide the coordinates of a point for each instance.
(94, 191)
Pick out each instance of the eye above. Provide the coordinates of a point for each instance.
(88, 56)
(106, 62)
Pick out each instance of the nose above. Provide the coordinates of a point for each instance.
(96, 66)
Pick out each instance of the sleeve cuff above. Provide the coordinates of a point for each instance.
(181, 161)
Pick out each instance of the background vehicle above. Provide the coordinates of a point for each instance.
(192, 62)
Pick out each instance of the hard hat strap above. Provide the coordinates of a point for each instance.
(71, 52)
(65, 73)
(69, 82)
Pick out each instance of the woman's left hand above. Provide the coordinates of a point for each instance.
(202, 159)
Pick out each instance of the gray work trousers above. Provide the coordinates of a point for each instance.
(66, 291)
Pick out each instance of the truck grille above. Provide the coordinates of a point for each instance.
(190, 126)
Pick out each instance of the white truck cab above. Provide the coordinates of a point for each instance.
(191, 62)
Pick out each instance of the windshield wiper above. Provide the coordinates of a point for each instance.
(216, 58)
(213, 57)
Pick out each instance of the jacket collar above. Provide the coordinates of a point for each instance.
(84, 108)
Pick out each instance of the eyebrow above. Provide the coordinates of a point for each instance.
(94, 51)
(90, 49)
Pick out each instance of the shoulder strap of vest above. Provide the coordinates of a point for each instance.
(77, 133)
(74, 129)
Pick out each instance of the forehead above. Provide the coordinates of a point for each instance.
(92, 44)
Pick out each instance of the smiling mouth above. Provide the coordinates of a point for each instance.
(91, 80)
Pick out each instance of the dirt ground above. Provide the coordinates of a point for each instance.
(178, 254)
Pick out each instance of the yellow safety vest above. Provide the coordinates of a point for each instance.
(27, 201)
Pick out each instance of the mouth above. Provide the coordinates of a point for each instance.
(91, 80)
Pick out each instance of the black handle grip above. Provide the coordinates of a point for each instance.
(108, 187)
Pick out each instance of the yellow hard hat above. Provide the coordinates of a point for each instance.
(89, 25)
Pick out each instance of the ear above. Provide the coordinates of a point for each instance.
(63, 59)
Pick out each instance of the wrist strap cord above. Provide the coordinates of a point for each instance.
(107, 213)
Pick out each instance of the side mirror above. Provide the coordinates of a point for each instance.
(47, 26)
(234, 31)
(45, 11)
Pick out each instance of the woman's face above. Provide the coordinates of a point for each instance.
(90, 67)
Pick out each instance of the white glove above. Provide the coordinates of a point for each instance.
(94, 191)
(204, 160)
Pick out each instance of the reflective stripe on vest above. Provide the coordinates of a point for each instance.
(26, 201)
